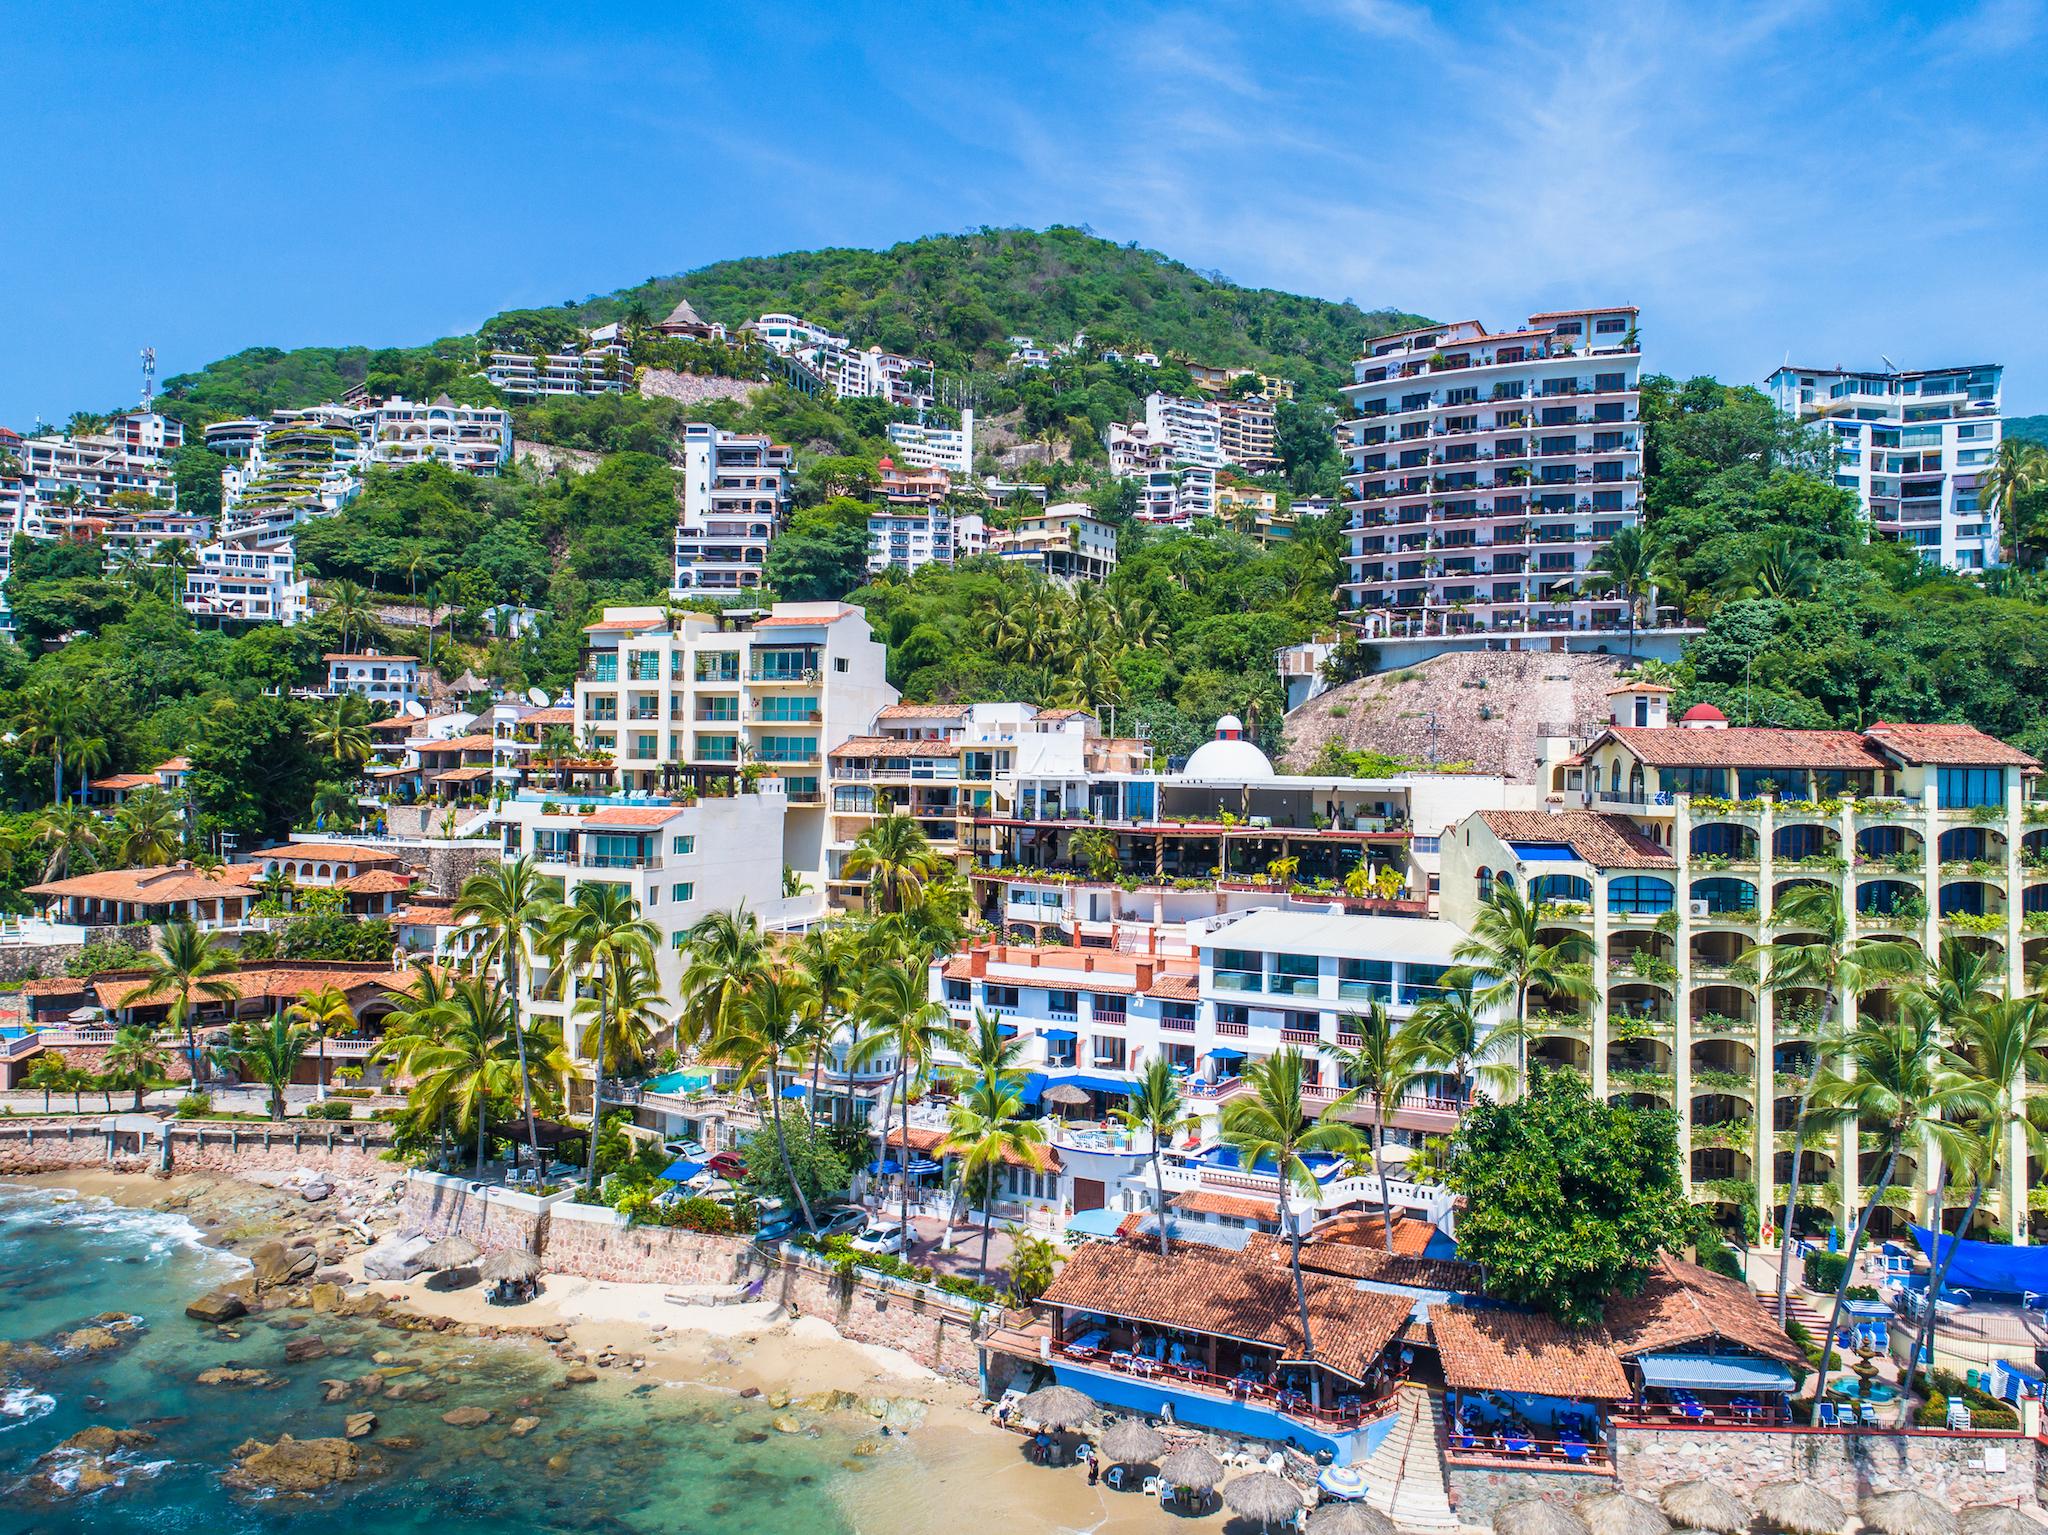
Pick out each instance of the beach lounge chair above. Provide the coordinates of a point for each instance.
(1828, 1415)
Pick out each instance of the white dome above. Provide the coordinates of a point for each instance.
(1229, 758)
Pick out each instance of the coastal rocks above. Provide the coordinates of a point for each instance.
(467, 1417)
(358, 1425)
(313, 1193)
(91, 1460)
(395, 1258)
(217, 1306)
(579, 1375)
(299, 1350)
(336, 1390)
(324, 1297)
(297, 1465)
(521, 1427)
(230, 1375)
(785, 1423)
(277, 1265)
(18, 1360)
(100, 1335)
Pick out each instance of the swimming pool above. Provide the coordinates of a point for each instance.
(679, 1082)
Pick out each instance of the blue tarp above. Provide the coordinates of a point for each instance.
(1095, 1223)
(1544, 852)
(1714, 1372)
(794, 1090)
(1988, 1266)
(682, 1170)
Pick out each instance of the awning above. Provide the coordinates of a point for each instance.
(1224, 1053)
(1095, 1223)
(1987, 1266)
(682, 1170)
(1056, 1034)
(1714, 1372)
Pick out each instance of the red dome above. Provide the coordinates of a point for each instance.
(1700, 713)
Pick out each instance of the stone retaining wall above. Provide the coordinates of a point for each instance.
(1957, 1468)
(1476, 1491)
(34, 961)
(50, 1146)
(597, 1244)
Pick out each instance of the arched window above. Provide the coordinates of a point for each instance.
(1643, 894)
(1506, 878)
(1725, 895)
(1561, 887)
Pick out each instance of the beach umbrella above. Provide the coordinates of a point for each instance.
(1533, 1516)
(1997, 1519)
(451, 1252)
(1133, 1443)
(1262, 1496)
(1616, 1513)
(516, 1267)
(1191, 1466)
(1909, 1513)
(1058, 1408)
(1799, 1508)
(1702, 1505)
(1349, 1519)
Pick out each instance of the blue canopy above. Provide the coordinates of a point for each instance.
(1007, 1030)
(1714, 1372)
(1988, 1266)
(793, 1089)
(1225, 1053)
(1095, 1223)
(682, 1170)
(1056, 1034)
(888, 1169)
(1036, 1084)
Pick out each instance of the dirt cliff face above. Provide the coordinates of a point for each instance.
(1488, 711)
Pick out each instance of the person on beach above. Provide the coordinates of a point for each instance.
(1094, 1467)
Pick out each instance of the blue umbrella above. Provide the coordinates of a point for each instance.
(888, 1169)
(923, 1165)
(793, 1090)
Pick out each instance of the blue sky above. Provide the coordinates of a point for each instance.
(1828, 181)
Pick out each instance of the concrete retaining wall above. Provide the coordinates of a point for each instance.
(937, 1331)
(50, 1146)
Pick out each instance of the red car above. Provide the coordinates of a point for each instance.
(729, 1165)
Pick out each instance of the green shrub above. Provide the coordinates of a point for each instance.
(1823, 1270)
(1860, 1292)
(330, 1111)
(195, 1105)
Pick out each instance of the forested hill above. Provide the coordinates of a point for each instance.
(954, 299)
(2027, 428)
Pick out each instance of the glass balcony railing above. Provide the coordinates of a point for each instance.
(1239, 980)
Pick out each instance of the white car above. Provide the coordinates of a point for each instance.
(694, 1150)
(884, 1237)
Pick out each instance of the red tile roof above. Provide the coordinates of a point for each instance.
(1373, 1263)
(1605, 841)
(627, 625)
(328, 852)
(163, 884)
(468, 743)
(125, 781)
(1947, 746)
(923, 712)
(366, 655)
(545, 717)
(1682, 1303)
(470, 774)
(1232, 1295)
(890, 746)
(798, 621)
(932, 1143)
(1751, 746)
(1202, 1202)
(426, 916)
(1484, 1350)
(377, 882)
(630, 817)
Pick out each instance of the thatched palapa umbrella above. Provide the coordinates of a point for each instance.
(451, 1252)
(1533, 1516)
(1132, 1443)
(1799, 1508)
(1997, 1519)
(516, 1267)
(1617, 1513)
(1065, 1095)
(1701, 1505)
(1191, 1466)
(1349, 1519)
(1909, 1513)
(1058, 1408)
(1262, 1496)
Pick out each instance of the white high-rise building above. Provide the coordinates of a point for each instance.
(1193, 429)
(250, 578)
(735, 494)
(1487, 471)
(1913, 446)
(936, 447)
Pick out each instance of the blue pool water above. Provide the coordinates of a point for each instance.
(679, 1082)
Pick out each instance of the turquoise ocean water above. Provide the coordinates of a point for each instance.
(609, 1458)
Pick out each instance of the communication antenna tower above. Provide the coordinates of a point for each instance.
(148, 377)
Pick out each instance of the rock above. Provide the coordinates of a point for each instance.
(85, 1463)
(336, 1390)
(217, 1306)
(229, 1375)
(778, 1399)
(101, 1440)
(358, 1424)
(749, 1393)
(324, 1297)
(278, 1265)
(313, 1193)
(556, 1333)
(785, 1424)
(558, 1463)
(467, 1417)
(299, 1350)
(399, 1442)
(395, 1258)
(521, 1427)
(87, 1340)
(296, 1465)
(580, 1375)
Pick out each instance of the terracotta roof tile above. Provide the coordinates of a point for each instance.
(1486, 1350)
(473, 773)
(1605, 841)
(1947, 746)
(377, 882)
(1176, 988)
(328, 852)
(1751, 746)
(932, 1143)
(469, 743)
(165, 884)
(546, 717)
(1203, 1202)
(890, 746)
(799, 621)
(627, 625)
(1232, 1295)
(628, 817)
(923, 712)
(426, 916)
(363, 655)
(125, 781)
(1682, 1303)
(1373, 1263)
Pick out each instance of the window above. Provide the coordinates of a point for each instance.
(1965, 787)
(1062, 1004)
(683, 893)
(1000, 996)
(1371, 979)
(1643, 894)
(1239, 970)
(683, 845)
(1693, 780)
(678, 938)
(1294, 975)
(1424, 844)
(1611, 325)
(839, 663)
(960, 991)
(1420, 982)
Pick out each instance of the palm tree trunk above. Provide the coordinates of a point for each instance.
(483, 1114)
(604, 1014)
(1379, 1146)
(191, 1055)
(1827, 1346)
(905, 1163)
(1792, 1181)
(782, 1149)
(321, 1069)
(1923, 1335)
(519, 1038)
(1159, 1192)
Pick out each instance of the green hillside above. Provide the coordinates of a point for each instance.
(2028, 428)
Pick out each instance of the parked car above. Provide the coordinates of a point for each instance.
(694, 1150)
(883, 1237)
(839, 1221)
(729, 1165)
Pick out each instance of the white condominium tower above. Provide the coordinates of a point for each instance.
(735, 493)
(1487, 471)
(1912, 446)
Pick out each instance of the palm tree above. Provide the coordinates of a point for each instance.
(906, 1023)
(1909, 1093)
(90, 754)
(147, 829)
(70, 834)
(827, 968)
(1460, 1040)
(1624, 567)
(507, 907)
(48, 1073)
(1827, 962)
(896, 859)
(1272, 1125)
(727, 954)
(420, 1021)
(633, 993)
(186, 965)
(269, 1052)
(349, 606)
(1387, 1063)
(986, 1128)
(766, 1031)
(468, 1058)
(1507, 950)
(324, 1012)
(2020, 469)
(134, 1061)
(600, 928)
(1155, 1106)
(340, 731)
(52, 717)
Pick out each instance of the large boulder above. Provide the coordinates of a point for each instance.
(217, 1306)
(90, 1461)
(277, 1264)
(395, 1258)
(296, 1465)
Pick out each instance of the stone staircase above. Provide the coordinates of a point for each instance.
(1405, 1475)
(1797, 1308)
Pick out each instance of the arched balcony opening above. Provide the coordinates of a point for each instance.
(1722, 841)
(1802, 841)
(1971, 898)
(1640, 895)
(1716, 953)
(1971, 844)
(1640, 1057)
(1723, 896)
(1720, 1009)
(1891, 847)
(1637, 1007)
(1557, 1052)
(1889, 899)
(1562, 890)
(1785, 887)
(1728, 1059)
(1719, 1164)
(2034, 846)
(1642, 954)
(2034, 899)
